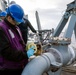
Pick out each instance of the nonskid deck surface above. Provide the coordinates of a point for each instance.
(69, 70)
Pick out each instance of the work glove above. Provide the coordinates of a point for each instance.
(30, 52)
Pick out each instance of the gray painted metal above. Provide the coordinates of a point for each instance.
(36, 66)
(75, 30)
(39, 26)
(41, 64)
(71, 26)
(61, 53)
(38, 21)
(61, 25)
(64, 52)
(54, 59)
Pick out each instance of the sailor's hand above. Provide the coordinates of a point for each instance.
(30, 52)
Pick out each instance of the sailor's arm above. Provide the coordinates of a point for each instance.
(7, 52)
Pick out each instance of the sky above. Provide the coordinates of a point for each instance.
(50, 11)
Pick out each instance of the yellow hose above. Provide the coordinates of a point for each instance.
(30, 44)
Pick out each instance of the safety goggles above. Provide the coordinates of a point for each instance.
(17, 23)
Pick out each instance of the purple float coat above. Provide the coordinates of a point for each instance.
(16, 43)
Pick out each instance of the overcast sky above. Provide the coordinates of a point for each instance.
(50, 11)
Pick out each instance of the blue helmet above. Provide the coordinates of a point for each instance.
(3, 14)
(16, 12)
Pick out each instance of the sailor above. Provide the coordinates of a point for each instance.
(24, 26)
(13, 56)
(2, 15)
